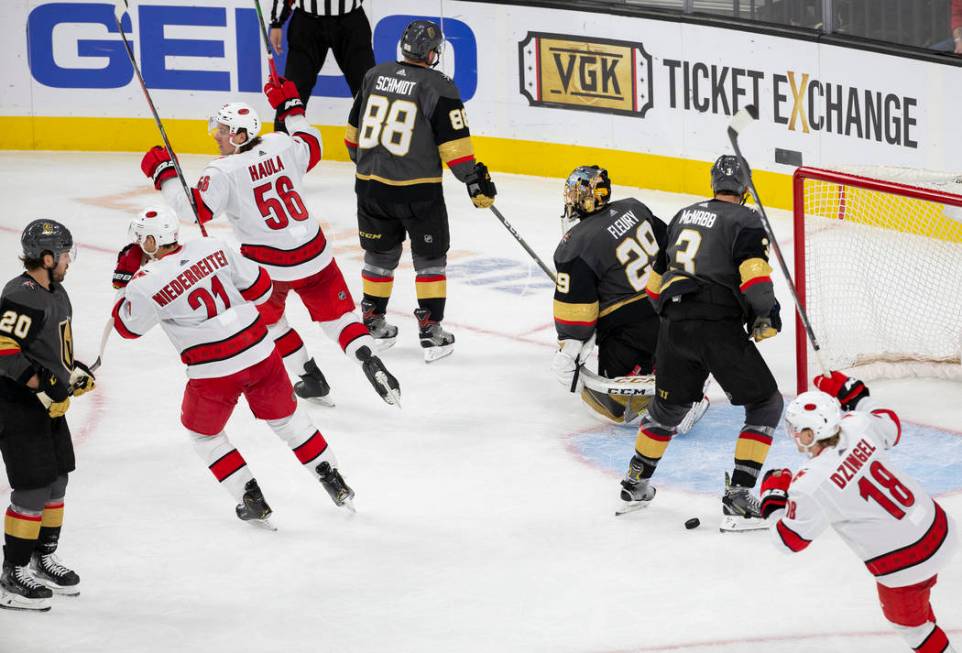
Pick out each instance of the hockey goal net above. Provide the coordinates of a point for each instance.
(878, 266)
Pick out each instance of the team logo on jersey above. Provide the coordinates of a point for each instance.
(586, 74)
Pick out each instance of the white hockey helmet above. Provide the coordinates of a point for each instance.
(237, 116)
(813, 410)
(159, 222)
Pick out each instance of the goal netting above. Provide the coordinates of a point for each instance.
(878, 264)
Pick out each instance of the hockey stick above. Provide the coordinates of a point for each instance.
(103, 344)
(527, 248)
(267, 41)
(624, 386)
(739, 123)
(118, 18)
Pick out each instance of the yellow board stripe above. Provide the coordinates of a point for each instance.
(624, 302)
(575, 312)
(667, 173)
(378, 288)
(431, 289)
(456, 149)
(52, 517)
(753, 268)
(751, 450)
(350, 134)
(24, 529)
(396, 182)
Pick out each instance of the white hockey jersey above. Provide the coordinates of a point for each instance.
(203, 295)
(886, 518)
(259, 192)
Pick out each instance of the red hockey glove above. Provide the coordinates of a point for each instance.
(129, 261)
(284, 97)
(157, 165)
(774, 492)
(847, 390)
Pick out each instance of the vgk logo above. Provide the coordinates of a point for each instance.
(573, 72)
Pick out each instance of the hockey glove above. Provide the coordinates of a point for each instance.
(54, 395)
(570, 354)
(157, 165)
(129, 261)
(768, 325)
(284, 96)
(774, 492)
(847, 390)
(81, 379)
(481, 189)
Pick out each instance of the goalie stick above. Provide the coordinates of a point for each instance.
(122, 7)
(739, 123)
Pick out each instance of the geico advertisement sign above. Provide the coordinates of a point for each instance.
(619, 77)
(101, 63)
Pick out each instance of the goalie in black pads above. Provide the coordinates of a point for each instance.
(603, 261)
(38, 375)
(712, 281)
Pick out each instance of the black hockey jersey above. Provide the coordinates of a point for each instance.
(407, 120)
(715, 264)
(35, 332)
(603, 266)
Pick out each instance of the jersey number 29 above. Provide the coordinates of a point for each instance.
(637, 254)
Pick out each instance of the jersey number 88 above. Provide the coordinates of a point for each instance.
(390, 123)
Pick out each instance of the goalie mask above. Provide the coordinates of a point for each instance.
(159, 222)
(587, 190)
(729, 175)
(813, 410)
(236, 116)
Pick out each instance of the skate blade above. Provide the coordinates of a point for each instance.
(383, 344)
(391, 396)
(10, 601)
(735, 524)
(60, 590)
(432, 354)
(631, 506)
(349, 506)
(264, 524)
(327, 401)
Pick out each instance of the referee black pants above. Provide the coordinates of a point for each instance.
(309, 38)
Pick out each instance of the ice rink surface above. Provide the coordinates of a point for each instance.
(484, 522)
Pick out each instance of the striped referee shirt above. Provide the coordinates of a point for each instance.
(282, 8)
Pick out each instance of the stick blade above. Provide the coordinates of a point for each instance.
(743, 119)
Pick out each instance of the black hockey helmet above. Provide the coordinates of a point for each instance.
(419, 38)
(728, 175)
(46, 235)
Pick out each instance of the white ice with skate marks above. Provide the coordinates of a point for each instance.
(477, 529)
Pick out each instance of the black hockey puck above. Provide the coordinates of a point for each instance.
(692, 523)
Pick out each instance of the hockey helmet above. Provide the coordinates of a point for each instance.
(236, 116)
(813, 410)
(729, 175)
(587, 190)
(419, 38)
(159, 222)
(47, 236)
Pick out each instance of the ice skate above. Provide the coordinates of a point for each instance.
(383, 381)
(19, 590)
(436, 342)
(741, 510)
(635, 495)
(254, 509)
(333, 482)
(313, 386)
(384, 334)
(49, 571)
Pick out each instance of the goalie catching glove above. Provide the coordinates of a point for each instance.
(847, 390)
(481, 189)
(774, 493)
(570, 354)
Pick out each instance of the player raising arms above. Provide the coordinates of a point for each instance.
(204, 295)
(904, 537)
(603, 261)
(716, 280)
(257, 185)
(406, 120)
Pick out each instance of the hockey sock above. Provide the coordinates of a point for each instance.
(927, 638)
(751, 450)
(348, 332)
(21, 529)
(51, 521)
(378, 284)
(432, 291)
(653, 439)
(307, 443)
(290, 346)
(224, 461)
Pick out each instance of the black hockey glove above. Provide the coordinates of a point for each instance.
(81, 379)
(481, 189)
(54, 395)
(768, 325)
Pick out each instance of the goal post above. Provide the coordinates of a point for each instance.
(878, 269)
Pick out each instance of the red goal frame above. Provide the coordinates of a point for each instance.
(843, 179)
